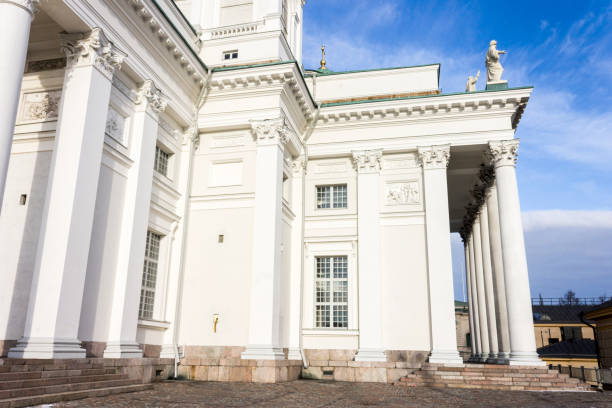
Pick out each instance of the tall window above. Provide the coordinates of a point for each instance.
(149, 276)
(331, 196)
(331, 287)
(161, 161)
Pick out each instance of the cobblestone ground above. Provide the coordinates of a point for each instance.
(335, 394)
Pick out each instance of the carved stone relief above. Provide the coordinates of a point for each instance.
(115, 124)
(40, 106)
(402, 193)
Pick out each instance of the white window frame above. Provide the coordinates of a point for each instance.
(146, 269)
(332, 196)
(331, 301)
(159, 152)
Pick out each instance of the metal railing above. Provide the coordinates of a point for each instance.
(575, 301)
(593, 376)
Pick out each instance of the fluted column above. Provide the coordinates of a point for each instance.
(54, 308)
(297, 256)
(488, 282)
(434, 160)
(122, 329)
(469, 295)
(474, 289)
(498, 274)
(518, 296)
(15, 20)
(271, 137)
(480, 290)
(367, 163)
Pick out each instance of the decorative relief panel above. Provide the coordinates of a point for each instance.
(402, 193)
(41, 106)
(115, 125)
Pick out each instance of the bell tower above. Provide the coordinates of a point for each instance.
(239, 32)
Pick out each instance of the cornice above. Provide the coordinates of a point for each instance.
(432, 107)
(174, 48)
(280, 76)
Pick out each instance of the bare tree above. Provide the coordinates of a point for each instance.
(569, 298)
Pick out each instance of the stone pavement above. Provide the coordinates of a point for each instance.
(306, 393)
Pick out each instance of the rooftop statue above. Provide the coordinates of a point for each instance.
(470, 86)
(494, 67)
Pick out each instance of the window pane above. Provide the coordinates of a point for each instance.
(341, 316)
(340, 291)
(340, 196)
(149, 276)
(323, 267)
(340, 267)
(322, 315)
(323, 196)
(161, 161)
(322, 291)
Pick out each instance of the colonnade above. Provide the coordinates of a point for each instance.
(499, 299)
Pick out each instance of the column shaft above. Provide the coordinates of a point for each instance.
(474, 288)
(15, 22)
(297, 256)
(488, 281)
(498, 275)
(264, 323)
(439, 259)
(121, 341)
(518, 297)
(480, 289)
(368, 229)
(469, 298)
(56, 296)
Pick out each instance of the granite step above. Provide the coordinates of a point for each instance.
(26, 375)
(40, 382)
(28, 401)
(62, 388)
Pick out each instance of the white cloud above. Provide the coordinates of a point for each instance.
(536, 220)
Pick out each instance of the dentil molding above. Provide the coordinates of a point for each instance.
(367, 161)
(93, 48)
(434, 157)
(504, 152)
(30, 6)
(149, 93)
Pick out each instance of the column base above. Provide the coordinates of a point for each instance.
(364, 354)
(294, 354)
(493, 358)
(446, 357)
(503, 358)
(474, 358)
(47, 348)
(256, 352)
(522, 358)
(484, 357)
(122, 350)
(169, 351)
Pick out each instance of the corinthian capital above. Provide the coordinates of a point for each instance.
(434, 157)
(367, 161)
(31, 6)
(148, 93)
(92, 48)
(270, 131)
(503, 152)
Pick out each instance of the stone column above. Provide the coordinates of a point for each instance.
(297, 257)
(497, 262)
(469, 294)
(367, 163)
(474, 288)
(264, 325)
(15, 19)
(518, 297)
(189, 145)
(54, 308)
(123, 324)
(488, 282)
(480, 290)
(434, 160)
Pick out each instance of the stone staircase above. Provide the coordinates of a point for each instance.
(26, 383)
(492, 377)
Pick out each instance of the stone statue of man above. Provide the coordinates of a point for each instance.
(494, 67)
(470, 86)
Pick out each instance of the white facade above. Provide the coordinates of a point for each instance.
(177, 187)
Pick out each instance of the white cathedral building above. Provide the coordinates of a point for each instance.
(174, 183)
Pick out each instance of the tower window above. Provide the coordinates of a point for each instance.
(230, 55)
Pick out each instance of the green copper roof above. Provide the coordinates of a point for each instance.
(327, 105)
(267, 64)
(330, 72)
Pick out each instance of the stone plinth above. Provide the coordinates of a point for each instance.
(497, 85)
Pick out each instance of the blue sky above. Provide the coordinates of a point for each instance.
(564, 49)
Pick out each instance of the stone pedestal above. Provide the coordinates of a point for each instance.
(54, 308)
(497, 85)
(15, 19)
(367, 164)
(434, 161)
